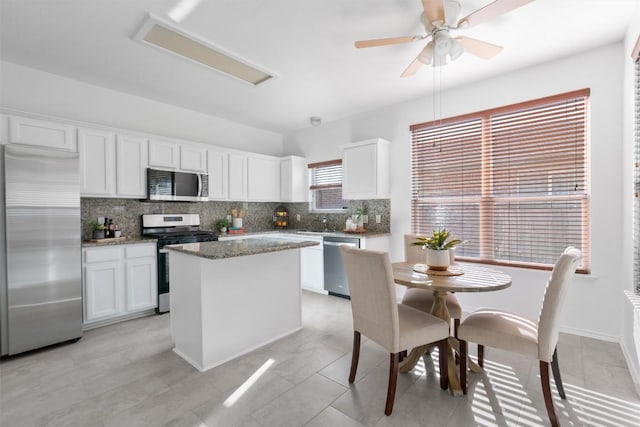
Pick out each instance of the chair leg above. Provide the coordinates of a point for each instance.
(354, 356)
(443, 361)
(456, 324)
(555, 368)
(463, 366)
(393, 381)
(403, 355)
(546, 391)
(481, 355)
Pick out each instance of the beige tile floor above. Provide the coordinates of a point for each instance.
(127, 375)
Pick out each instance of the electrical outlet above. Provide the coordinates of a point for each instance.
(297, 217)
(378, 219)
(100, 220)
(365, 219)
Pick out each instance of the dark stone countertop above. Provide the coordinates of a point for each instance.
(302, 233)
(114, 242)
(234, 248)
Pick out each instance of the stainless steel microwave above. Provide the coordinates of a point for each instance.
(177, 186)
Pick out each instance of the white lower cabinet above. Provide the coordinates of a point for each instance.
(118, 281)
(102, 290)
(312, 268)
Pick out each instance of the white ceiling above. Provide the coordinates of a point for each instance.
(307, 44)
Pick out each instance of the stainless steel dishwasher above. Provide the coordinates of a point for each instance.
(335, 279)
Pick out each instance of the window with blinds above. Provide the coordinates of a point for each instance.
(326, 185)
(512, 182)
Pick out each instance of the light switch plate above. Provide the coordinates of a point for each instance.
(365, 219)
(297, 217)
(378, 219)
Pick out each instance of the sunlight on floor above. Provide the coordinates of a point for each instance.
(499, 391)
(247, 384)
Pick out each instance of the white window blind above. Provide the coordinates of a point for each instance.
(512, 181)
(326, 185)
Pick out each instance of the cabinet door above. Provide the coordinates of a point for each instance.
(312, 269)
(97, 162)
(23, 130)
(193, 159)
(293, 179)
(237, 176)
(131, 166)
(164, 154)
(365, 170)
(102, 290)
(218, 165)
(286, 186)
(141, 284)
(263, 179)
(359, 172)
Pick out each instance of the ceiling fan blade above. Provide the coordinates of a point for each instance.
(433, 10)
(490, 11)
(412, 68)
(479, 48)
(384, 42)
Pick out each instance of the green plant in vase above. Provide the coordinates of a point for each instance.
(97, 230)
(437, 246)
(223, 224)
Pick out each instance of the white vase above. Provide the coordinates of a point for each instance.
(437, 260)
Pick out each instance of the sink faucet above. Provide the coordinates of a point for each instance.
(325, 226)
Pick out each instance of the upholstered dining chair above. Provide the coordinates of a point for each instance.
(422, 299)
(512, 332)
(377, 315)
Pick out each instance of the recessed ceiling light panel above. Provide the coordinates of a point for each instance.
(161, 34)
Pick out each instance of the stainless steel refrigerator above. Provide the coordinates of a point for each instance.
(41, 292)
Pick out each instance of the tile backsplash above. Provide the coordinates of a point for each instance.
(127, 213)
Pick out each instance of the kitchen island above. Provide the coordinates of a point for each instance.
(231, 297)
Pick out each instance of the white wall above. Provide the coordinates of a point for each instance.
(594, 302)
(631, 311)
(34, 91)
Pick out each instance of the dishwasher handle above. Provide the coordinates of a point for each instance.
(355, 245)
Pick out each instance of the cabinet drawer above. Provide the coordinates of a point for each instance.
(102, 254)
(139, 251)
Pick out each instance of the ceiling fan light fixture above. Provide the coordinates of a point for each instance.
(456, 49)
(442, 43)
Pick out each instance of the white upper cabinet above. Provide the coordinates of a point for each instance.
(131, 166)
(237, 176)
(293, 179)
(263, 178)
(365, 170)
(218, 171)
(164, 154)
(193, 158)
(23, 130)
(97, 162)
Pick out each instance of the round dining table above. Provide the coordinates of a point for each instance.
(457, 278)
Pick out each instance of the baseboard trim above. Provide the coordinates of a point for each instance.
(589, 334)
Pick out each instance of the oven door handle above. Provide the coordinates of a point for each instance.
(163, 251)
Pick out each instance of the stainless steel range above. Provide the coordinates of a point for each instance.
(172, 229)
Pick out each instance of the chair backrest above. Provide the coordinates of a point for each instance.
(373, 298)
(554, 295)
(413, 254)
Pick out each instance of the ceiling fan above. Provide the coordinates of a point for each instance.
(440, 18)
